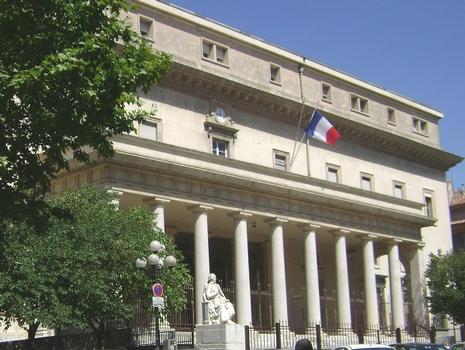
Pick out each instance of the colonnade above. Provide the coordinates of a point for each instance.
(279, 290)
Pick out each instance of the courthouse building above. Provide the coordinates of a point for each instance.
(339, 235)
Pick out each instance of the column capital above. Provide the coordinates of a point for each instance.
(341, 232)
(238, 215)
(276, 221)
(200, 208)
(367, 236)
(310, 226)
(393, 241)
(417, 245)
(156, 201)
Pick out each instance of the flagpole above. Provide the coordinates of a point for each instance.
(302, 98)
(294, 155)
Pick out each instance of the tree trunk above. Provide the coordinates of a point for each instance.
(31, 333)
(32, 330)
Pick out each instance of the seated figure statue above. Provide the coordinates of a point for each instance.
(220, 309)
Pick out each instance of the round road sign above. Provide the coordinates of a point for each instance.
(157, 290)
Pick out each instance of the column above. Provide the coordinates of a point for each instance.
(312, 284)
(157, 205)
(417, 282)
(202, 259)
(395, 283)
(371, 297)
(243, 301)
(278, 270)
(342, 279)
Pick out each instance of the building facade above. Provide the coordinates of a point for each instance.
(457, 216)
(333, 235)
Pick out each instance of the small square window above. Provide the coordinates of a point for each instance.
(145, 27)
(332, 173)
(148, 130)
(391, 116)
(326, 92)
(399, 189)
(275, 74)
(220, 147)
(366, 182)
(215, 52)
(428, 204)
(359, 104)
(281, 160)
(420, 126)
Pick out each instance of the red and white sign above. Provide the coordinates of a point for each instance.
(157, 290)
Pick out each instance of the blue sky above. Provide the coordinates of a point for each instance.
(413, 47)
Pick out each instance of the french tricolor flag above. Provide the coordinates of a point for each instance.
(320, 129)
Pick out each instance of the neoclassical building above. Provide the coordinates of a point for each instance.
(328, 234)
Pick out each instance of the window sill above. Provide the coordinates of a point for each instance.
(215, 62)
(278, 83)
(359, 112)
(424, 134)
(326, 100)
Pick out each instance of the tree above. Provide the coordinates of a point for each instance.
(68, 71)
(446, 280)
(81, 271)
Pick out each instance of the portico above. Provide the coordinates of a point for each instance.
(299, 252)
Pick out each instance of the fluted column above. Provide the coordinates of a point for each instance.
(241, 268)
(371, 297)
(311, 274)
(342, 279)
(395, 283)
(202, 259)
(157, 205)
(417, 282)
(278, 270)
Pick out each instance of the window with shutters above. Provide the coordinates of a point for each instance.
(280, 160)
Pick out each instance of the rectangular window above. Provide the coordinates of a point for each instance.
(428, 204)
(366, 181)
(420, 126)
(391, 116)
(332, 173)
(399, 189)
(326, 92)
(148, 130)
(215, 52)
(220, 147)
(145, 28)
(280, 160)
(275, 74)
(207, 50)
(359, 104)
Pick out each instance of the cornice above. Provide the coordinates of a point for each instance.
(222, 29)
(259, 99)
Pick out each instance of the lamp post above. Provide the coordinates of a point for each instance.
(156, 262)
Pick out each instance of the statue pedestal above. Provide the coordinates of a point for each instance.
(220, 337)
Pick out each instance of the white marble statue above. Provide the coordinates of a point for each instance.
(220, 309)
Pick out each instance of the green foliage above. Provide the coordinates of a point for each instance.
(81, 271)
(446, 280)
(68, 71)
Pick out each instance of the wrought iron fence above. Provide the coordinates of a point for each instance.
(282, 336)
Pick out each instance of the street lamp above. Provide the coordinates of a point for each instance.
(156, 261)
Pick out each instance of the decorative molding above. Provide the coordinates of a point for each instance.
(267, 202)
